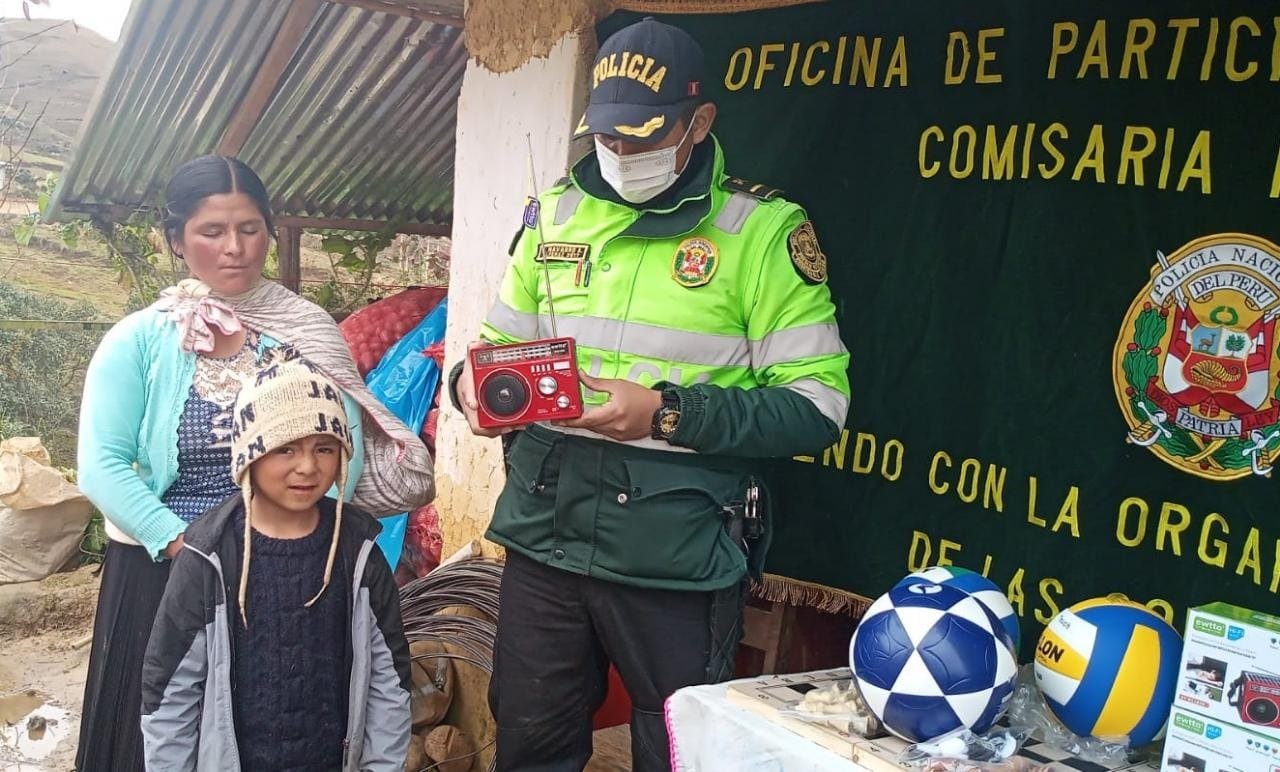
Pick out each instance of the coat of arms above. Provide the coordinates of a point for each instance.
(1195, 366)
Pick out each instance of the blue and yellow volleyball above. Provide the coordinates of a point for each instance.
(1108, 668)
(977, 585)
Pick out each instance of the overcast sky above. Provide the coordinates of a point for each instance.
(104, 17)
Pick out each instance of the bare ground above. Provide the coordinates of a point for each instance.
(44, 636)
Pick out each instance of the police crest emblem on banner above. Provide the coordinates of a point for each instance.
(1195, 364)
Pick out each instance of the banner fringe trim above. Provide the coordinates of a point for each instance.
(782, 589)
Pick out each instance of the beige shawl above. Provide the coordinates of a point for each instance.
(397, 475)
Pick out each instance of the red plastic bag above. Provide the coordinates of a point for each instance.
(423, 541)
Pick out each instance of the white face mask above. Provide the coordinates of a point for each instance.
(640, 177)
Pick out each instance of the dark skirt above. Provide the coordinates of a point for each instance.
(111, 724)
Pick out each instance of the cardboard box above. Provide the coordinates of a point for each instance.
(1230, 669)
(1195, 743)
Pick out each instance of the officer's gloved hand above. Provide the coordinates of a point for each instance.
(628, 415)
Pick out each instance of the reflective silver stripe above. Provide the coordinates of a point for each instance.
(514, 323)
(735, 212)
(651, 341)
(796, 343)
(645, 442)
(832, 403)
(568, 204)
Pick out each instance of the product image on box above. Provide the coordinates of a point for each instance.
(1257, 697)
(1186, 763)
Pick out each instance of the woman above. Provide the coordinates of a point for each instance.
(155, 425)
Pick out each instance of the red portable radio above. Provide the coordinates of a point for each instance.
(1257, 697)
(521, 383)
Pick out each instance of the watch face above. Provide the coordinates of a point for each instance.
(667, 423)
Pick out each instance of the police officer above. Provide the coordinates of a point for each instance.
(708, 342)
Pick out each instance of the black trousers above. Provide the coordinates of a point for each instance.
(557, 634)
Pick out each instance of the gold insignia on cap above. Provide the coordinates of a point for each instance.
(583, 128)
(644, 131)
(806, 255)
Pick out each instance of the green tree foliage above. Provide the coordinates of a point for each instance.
(42, 371)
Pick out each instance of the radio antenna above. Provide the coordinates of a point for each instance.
(537, 216)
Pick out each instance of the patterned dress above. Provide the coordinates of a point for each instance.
(204, 432)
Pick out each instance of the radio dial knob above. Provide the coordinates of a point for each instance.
(562, 402)
(547, 385)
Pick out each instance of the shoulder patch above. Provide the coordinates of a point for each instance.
(806, 255)
(762, 192)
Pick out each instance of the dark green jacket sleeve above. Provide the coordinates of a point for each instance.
(759, 423)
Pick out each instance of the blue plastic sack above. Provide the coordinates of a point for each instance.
(405, 381)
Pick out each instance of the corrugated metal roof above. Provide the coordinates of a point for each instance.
(360, 124)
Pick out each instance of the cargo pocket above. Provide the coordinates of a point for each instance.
(668, 524)
(525, 512)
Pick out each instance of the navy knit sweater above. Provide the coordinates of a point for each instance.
(290, 664)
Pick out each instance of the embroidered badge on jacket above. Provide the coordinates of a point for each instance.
(695, 262)
(806, 255)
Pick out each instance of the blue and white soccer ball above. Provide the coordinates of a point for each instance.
(980, 587)
(930, 659)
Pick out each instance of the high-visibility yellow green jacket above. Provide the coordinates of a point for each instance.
(716, 290)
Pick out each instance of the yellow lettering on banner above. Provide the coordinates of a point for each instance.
(971, 138)
(1162, 607)
(1032, 517)
(1126, 506)
(765, 64)
(1059, 160)
(1275, 572)
(1251, 558)
(993, 491)
(1168, 159)
(1197, 165)
(967, 487)
(1219, 555)
(1275, 51)
(1179, 42)
(839, 68)
(985, 56)
(805, 76)
(1233, 65)
(1275, 176)
(1069, 514)
(945, 546)
(1017, 597)
(791, 66)
(892, 449)
(1134, 157)
(1065, 36)
(897, 64)
(934, 485)
(1170, 530)
(864, 62)
(1052, 611)
(864, 440)
(1135, 50)
(1094, 157)
(928, 170)
(1026, 149)
(997, 161)
(837, 451)
(1095, 52)
(986, 566)
(1210, 49)
(739, 61)
(951, 77)
(916, 561)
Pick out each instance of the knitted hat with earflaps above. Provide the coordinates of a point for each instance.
(288, 401)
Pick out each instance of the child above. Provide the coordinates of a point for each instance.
(279, 644)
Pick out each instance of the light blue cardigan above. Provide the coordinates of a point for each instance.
(134, 393)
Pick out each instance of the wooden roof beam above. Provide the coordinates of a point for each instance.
(344, 224)
(296, 22)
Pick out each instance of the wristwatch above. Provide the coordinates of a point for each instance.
(667, 417)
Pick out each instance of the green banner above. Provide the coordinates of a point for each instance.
(1049, 228)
